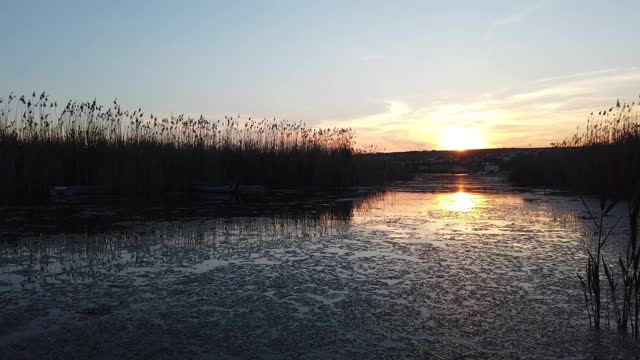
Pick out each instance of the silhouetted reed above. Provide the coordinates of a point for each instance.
(43, 144)
(624, 301)
(591, 281)
(602, 157)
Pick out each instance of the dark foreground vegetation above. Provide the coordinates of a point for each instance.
(602, 159)
(45, 144)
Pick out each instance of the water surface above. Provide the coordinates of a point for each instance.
(438, 267)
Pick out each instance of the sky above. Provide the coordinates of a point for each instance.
(405, 75)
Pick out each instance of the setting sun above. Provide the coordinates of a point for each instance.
(461, 139)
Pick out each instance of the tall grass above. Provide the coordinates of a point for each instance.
(591, 284)
(620, 124)
(603, 159)
(608, 162)
(43, 143)
(623, 301)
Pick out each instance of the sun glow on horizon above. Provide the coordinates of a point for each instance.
(461, 139)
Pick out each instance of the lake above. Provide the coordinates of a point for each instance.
(443, 266)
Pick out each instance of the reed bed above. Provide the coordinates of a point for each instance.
(602, 159)
(43, 143)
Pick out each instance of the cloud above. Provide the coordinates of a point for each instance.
(541, 113)
(585, 74)
(581, 85)
(511, 19)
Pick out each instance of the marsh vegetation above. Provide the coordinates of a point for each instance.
(43, 143)
(602, 159)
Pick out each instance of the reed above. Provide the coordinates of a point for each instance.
(591, 284)
(604, 156)
(43, 143)
(602, 159)
(606, 160)
(623, 301)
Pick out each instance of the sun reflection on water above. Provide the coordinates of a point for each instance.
(459, 201)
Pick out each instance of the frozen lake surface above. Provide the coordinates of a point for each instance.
(439, 267)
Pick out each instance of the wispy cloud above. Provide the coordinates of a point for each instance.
(585, 74)
(580, 85)
(541, 113)
(514, 18)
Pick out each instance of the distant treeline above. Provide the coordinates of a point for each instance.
(602, 158)
(45, 144)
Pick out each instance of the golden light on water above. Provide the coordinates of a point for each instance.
(461, 139)
(459, 201)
